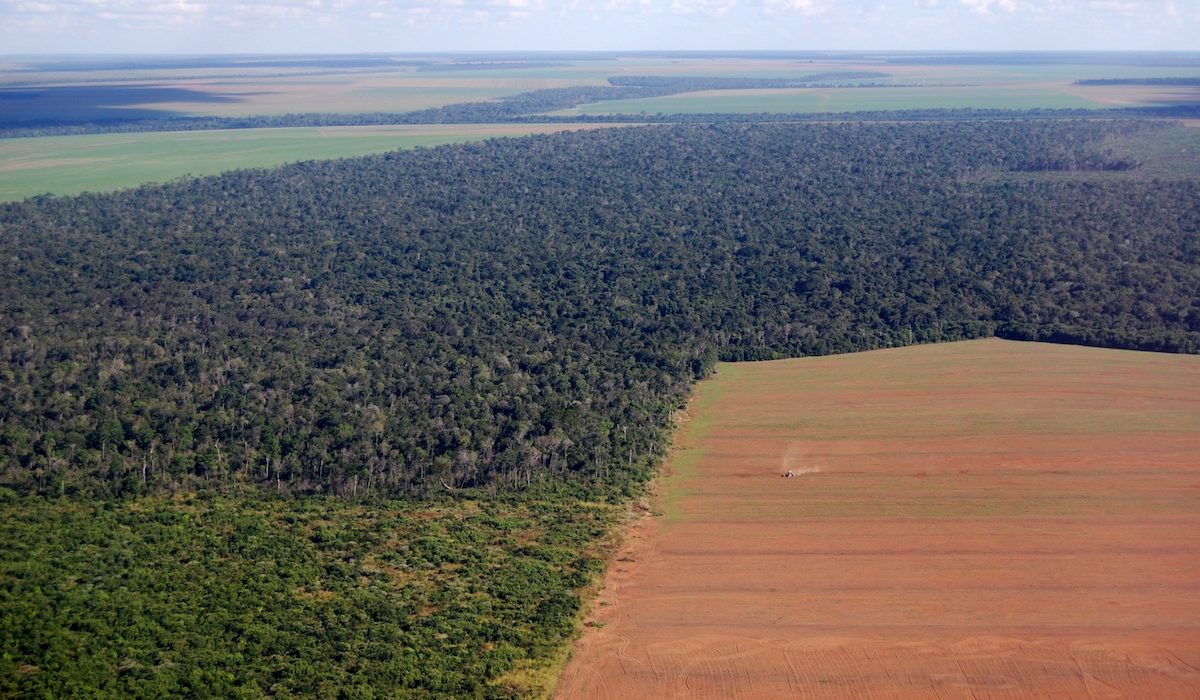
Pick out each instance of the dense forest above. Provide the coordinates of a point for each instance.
(529, 313)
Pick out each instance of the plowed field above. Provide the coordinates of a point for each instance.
(986, 519)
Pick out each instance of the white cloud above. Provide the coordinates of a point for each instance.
(272, 10)
(348, 25)
(518, 4)
(182, 7)
(703, 7)
(1123, 7)
(984, 7)
(805, 7)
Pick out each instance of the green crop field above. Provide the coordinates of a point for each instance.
(104, 162)
(1065, 72)
(842, 100)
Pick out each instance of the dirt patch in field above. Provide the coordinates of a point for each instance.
(984, 519)
(1126, 95)
(35, 163)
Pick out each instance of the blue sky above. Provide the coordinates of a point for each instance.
(219, 26)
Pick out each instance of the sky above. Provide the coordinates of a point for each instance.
(353, 26)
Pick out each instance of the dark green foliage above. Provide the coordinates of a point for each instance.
(528, 314)
(315, 598)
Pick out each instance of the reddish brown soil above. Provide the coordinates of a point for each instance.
(986, 519)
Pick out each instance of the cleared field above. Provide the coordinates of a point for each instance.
(250, 98)
(1126, 95)
(924, 86)
(986, 519)
(240, 93)
(100, 91)
(243, 97)
(901, 67)
(105, 162)
(355, 94)
(846, 100)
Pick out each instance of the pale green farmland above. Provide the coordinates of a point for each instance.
(104, 162)
(842, 100)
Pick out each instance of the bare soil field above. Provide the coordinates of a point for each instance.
(986, 519)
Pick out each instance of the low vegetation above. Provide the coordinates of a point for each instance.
(218, 596)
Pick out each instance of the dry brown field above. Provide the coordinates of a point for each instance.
(349, 94)
(987, 519)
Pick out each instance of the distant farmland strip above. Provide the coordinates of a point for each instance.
(105, 162)
(504, 109)
(693, 83)
(793, 100)
(672, 100)
(1190, 82)
(585, 115)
